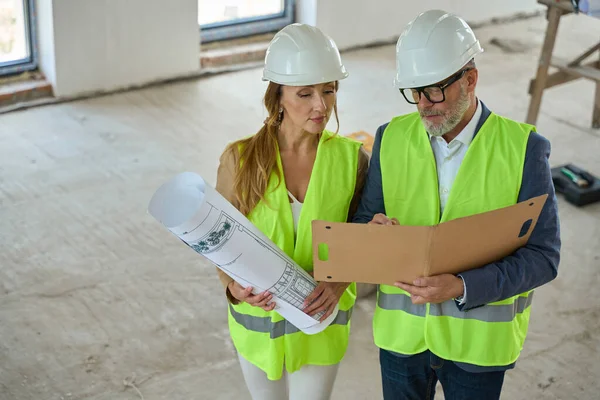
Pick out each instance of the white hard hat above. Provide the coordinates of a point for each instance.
(301, 55)
(432, 47)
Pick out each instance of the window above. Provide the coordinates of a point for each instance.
(17, 47)
(228, 19)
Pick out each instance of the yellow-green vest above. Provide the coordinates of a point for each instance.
(265, 338)
(488, 178)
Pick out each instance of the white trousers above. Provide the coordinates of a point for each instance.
(314, 382)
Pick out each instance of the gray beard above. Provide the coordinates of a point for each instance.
(454, 117)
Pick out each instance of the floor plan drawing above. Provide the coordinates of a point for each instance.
(212, 227)
(292, 285)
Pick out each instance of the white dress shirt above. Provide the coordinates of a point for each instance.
(448, 158)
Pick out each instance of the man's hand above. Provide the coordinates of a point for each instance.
(433, 289)
(382, 219)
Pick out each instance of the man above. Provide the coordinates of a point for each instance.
(451, 159)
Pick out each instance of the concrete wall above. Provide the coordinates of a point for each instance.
(101, 45)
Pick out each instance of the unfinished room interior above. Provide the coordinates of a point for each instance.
(129, 271)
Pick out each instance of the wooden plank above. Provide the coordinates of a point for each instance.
(564, 5)
(585, 55)
(560, 77)
(542, 71)
(582, 71)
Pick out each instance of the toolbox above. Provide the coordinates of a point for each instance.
(579, 187)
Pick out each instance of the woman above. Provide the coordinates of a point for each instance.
(289, 173)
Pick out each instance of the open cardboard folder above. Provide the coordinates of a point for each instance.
(364, 253)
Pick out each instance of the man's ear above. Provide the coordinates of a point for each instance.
(472, 77)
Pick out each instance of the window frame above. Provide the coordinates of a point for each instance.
(248, 26)
(31, 62)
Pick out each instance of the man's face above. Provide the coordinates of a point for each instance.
(441, 118)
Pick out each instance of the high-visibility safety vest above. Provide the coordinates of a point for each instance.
(489, 178)
(265, 338)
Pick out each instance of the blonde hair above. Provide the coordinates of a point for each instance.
(257, 155)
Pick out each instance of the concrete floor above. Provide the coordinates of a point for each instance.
(94, 292)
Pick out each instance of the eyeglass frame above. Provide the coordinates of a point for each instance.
(442, 86)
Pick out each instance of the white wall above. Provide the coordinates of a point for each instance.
(102, 45)
(354, 23)
(45, 27)
(88, 46)
(306, 11)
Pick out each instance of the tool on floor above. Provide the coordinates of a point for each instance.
(577, 185)
(577, 179)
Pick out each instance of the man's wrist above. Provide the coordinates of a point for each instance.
(461, 298)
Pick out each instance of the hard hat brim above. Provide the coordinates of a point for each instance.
(303, 80)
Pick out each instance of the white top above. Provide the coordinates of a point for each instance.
(449, 156)
(296, 208)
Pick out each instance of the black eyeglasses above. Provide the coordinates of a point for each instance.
(433, 93)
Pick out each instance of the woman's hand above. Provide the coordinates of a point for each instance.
(259, 300)
(324, 298)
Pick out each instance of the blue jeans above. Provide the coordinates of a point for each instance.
(415, 377)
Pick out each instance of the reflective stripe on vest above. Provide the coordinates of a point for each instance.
(490, 313)
(262, 337)
(402, 302)
(279, 328)
(489, 335)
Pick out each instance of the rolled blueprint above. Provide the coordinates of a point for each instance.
(198, 215)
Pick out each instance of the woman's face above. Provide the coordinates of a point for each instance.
(308, 107)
